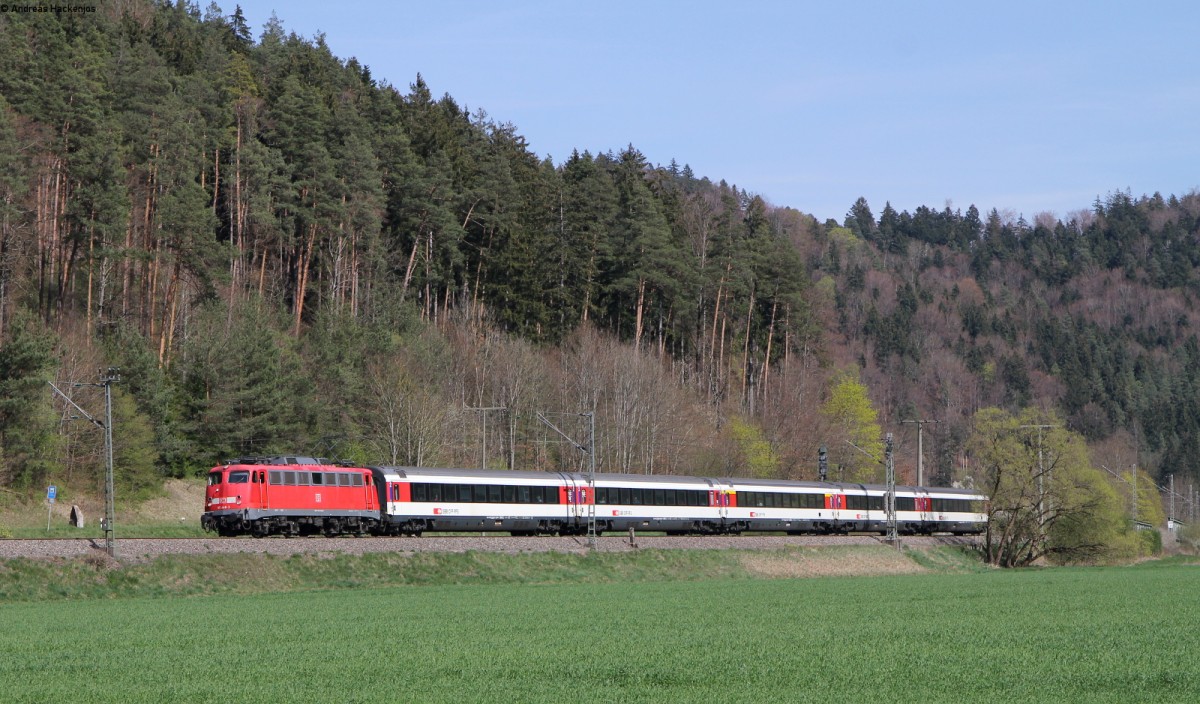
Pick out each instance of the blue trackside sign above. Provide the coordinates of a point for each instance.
(51, 493)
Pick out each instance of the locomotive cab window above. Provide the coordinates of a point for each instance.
(214, 478)
(239, 477)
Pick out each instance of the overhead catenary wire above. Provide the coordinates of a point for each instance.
(108, 377)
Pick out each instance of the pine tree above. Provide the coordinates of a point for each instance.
(251, 402)
(313, 204)
(27, 423)
(647, 270)
(134, 450)
(357, 233)
(587, 214)
(240, 29)
(13, 186)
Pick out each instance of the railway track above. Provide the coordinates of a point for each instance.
(144, 549)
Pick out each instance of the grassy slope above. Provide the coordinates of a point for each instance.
(97, 576)
(173, 514)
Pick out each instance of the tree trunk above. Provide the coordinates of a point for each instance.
(721, 356)
(91, 267)
(237, 217)
(712, 343)
(150, 300)
(216, 178)
(302, 276)
(641, 300)
(168, 323)
(766, 372)
(262, 273)
(746, 345)
(408, 271)
(787, 339)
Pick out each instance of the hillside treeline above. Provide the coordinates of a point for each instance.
(283, 252)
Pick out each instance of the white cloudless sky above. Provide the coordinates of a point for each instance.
(1019, 106)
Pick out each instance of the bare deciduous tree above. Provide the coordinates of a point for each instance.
(406, 419)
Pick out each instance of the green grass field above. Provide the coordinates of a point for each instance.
(1119, 634)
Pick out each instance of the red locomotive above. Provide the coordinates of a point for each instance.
(261, 496)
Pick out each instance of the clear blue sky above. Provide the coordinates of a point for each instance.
(1024, 106)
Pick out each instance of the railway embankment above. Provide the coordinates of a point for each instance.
(180, 568)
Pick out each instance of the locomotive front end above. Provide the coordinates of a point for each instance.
(226, 499)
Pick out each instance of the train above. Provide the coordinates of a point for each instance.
(305, 496)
